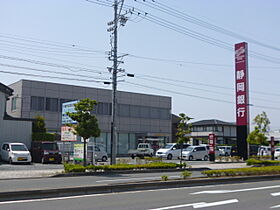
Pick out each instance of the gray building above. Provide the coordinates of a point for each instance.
(140, 117)
(225, 131)
(12, 129)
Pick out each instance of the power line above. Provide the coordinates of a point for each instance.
(184, 16)
(196, 96)
(51, 77)
(48, 71)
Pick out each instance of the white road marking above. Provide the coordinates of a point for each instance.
(275, 207)
(218, 203)
(128, 179)
(104, 194)
(233, 191)
(275, 194)
(177, 206)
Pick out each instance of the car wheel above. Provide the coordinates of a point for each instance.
(169, 157)
(10, 161)
(191, 157)
(205, 158)
(104, 158)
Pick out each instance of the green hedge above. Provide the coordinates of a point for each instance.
(157, 165)
(243, 171)
(43, 136)
(254, 162)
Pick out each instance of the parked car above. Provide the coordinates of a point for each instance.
(234, 151)
(195, 153)
(264, 151)
(277, 153)
(45, 152)
(99, 153)
(143, 149)
(171, 150)
(15, 153)
(225, 150)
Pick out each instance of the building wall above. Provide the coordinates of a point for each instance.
(13, 130)
(128, 126)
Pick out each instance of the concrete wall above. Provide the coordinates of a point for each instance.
(13, 130)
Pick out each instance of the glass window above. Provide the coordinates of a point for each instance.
(145, 112)
(164, 114)
(104, 108)
(123, 110)
(52, 104)
(37, 103)
(14, 103)
(132, 141)
(155, 113)
(134, 111)
(123, 143)
(18, 148)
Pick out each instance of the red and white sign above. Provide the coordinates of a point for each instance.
(241, 84)
(272, 144)
(211, 139)
(67, 134)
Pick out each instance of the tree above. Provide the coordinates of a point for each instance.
(183, 129)
(87, 124)
(39, 126)
(257, 136)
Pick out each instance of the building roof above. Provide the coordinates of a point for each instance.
(212, 122)
(5, 89)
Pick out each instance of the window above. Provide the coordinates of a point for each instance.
(154, 113)
(14, 104)
(145, 112)
(134, 111)
(124, 110)
(103, 108)
(37, 103)
(52, 104)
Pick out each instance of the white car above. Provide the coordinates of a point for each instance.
(225, 150)
(277, 153)
(15, 153)
(171, 150)
(196, 153)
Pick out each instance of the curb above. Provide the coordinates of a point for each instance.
(133, 186)
(96, 173)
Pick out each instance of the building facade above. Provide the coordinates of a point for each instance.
(225, 132)
(12, 129)
(140, 117)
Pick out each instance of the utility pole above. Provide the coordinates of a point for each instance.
(114, 57)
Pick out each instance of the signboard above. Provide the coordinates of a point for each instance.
(67, 134)
(211, 139)
(68, 107)
(272, 147)
(241, 84)
(78, 152)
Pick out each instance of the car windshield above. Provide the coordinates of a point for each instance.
(277, 150)
(189, 149)
(49, 146)
(167, 146)
(18, 148)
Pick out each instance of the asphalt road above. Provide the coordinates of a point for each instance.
(78, 181)
(245, 196)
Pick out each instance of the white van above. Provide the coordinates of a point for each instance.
(195, 153)
(99, 153)
(171, 150)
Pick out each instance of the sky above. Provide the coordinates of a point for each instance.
(179, 48)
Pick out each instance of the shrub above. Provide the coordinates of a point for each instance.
(186, 174)
(164, 178)
(155, 165)
(243, 171)
(43, 136)
(262, 162)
